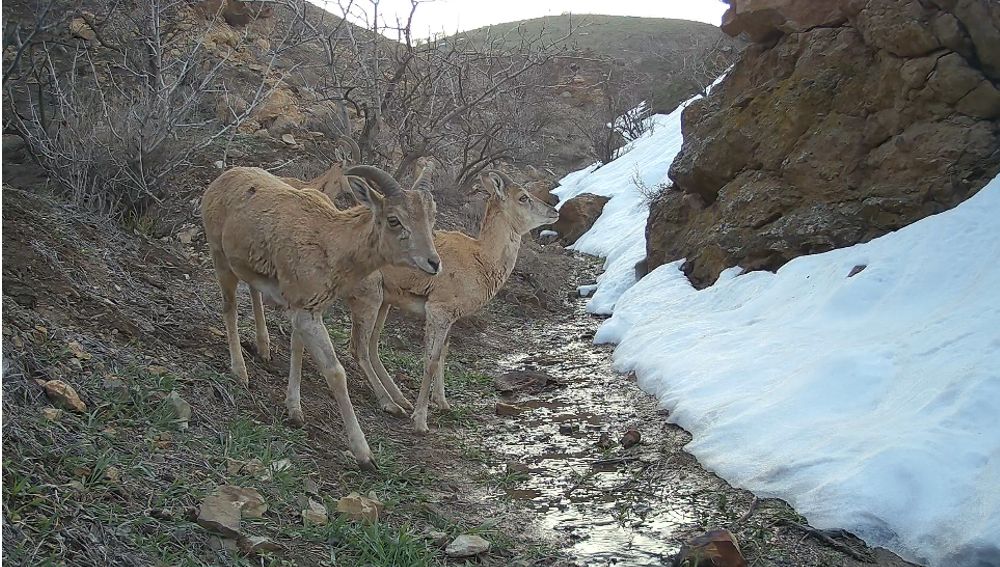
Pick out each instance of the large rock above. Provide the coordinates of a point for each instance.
(577, 215)
(833, 135)
(765, 19)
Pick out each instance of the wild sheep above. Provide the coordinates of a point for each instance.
(474, 270)
(293, 247)
(332, 182)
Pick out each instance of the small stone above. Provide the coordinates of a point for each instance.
(288, 139)
(254, 545)
(631, 438)
(114, 383)
(248, 501)
(52, 414)
(857, 270)
(188, 235)
(162, 440)
(218, 514)
(436, 537)
(567, 428)
(604, 441)
(62, 394)
(81, 29)
(275, 467)
(156, 369)
(180, 408)
(360, 508)
(524, 381)
(467, 545)
(311, 486)
(77, 350)
(315, 514)
(219, 164)
(503, 409)
(237, 153)
(113, 474)
(715, 548)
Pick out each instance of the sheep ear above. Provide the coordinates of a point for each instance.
(493, 185)
(365, 193)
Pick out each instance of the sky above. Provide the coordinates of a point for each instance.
(459, 15)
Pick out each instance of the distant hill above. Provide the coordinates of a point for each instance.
(677, 56)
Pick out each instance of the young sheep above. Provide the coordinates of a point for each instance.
(332, 182)
(474, 270)
(293, 247)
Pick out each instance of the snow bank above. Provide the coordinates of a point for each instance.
(870, 403)
(620, 233)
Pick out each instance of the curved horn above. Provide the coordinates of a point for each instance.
(385, 182)
(423, 181)
(351, 146)
(507, 181)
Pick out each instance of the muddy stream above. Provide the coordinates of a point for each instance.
(566, 463)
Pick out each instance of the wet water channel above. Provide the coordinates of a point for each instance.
(610, 505)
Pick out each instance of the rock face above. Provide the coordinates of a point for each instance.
(577, 215)
(839, 125)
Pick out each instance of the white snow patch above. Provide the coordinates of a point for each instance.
(870, 403)
(620, 233)
(548, 233)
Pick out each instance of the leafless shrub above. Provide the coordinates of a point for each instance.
(620, 119)
(650, 193)
(130, 100)
(469, 100)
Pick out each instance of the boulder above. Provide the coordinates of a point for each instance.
(842, 126)
(766, 19)
(577, 215)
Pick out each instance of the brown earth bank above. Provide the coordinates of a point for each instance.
(835, 127)
(130, 321)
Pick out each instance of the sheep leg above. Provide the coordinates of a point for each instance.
(293, 397)
(263, 338)
(364, 314)
(227, 283)
(383, 375)
(437, 390)
(435, 336)
(317, 342)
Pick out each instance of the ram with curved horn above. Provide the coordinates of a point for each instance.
(296, 250)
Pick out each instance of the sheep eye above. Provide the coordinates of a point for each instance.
(524, 198)
(394, 222)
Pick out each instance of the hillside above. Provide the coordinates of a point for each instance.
(676, 58)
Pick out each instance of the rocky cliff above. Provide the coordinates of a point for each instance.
(837, 125)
